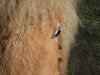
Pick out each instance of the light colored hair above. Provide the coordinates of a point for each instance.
(16, 16)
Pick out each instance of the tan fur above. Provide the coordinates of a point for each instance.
(26, 29)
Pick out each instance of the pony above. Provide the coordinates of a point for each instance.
(36, 36)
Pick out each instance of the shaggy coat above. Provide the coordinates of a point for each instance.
(27, 42)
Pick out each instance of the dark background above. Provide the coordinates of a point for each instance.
(85, 54)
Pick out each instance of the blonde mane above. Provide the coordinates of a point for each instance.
(18, 16)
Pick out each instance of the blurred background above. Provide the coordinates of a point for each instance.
(85, 54)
